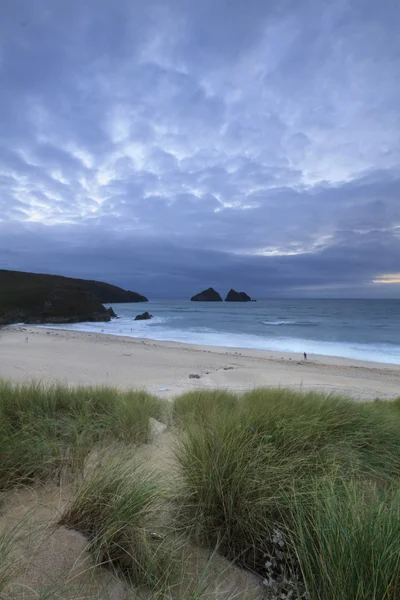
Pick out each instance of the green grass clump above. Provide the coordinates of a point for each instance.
(393, 405)
(225, 499)
(347, 543)
(201, 405)
(45, 429)
(7, 565)
(326, 430)
(239, 468)
(115, 507)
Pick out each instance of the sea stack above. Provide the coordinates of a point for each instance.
(234, 296)
(209, 295)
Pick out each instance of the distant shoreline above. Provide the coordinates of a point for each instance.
(266, 354)
(237, 350)
(80, 358)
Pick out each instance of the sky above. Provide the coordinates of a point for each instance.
(169, 146)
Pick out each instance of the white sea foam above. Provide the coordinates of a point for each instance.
(288, 322)
(156, 329)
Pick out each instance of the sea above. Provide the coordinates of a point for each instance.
(357, 329)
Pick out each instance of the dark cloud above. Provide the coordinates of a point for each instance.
(167, 146)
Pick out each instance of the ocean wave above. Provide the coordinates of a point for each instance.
(291, 323)
(156, 330)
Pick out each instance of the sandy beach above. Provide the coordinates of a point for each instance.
(167, 368)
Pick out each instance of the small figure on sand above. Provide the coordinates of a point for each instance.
(305, 355)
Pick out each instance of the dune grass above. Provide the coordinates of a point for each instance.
(116, 507)
(7, 564)
(299, 487)
(45, 429)
(201, 405)
(347, 542)
(242, 469)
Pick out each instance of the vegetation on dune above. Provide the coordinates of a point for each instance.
(47, 429)
(389, 404)
(302, 488)
(199, 406)
(247, 472)
(8, 540)
(113, 508)
(347, 541)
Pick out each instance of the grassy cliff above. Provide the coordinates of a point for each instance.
(37, 298)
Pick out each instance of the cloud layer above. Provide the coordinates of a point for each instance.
(166, 146)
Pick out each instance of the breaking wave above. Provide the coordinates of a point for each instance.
(290, 323)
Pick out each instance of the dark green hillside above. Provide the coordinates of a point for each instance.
(36, 298)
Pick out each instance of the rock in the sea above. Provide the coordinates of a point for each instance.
(209, 295)
(234, 296)
(143, 317)
(194, 376)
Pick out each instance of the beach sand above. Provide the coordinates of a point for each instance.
(49, 355)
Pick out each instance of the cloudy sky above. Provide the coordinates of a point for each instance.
(170, 145)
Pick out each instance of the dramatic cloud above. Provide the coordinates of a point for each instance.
(171, 145)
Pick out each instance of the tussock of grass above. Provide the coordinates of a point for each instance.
(389, 404)
(45, 429)
(7, 565)
(114, 508)
(223, 500)
(347, 543)
(200, 405)
(239, 468)
(323, 429)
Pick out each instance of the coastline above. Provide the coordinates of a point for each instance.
(83, 358)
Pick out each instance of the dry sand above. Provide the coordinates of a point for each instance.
(48, 355)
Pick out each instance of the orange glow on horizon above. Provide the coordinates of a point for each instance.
(387, 278)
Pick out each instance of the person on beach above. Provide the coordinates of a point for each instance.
(305, 356)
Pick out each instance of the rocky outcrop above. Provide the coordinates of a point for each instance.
(37, 299)
(209, 295)
(58, 306)
(234, 296)
(143, 317)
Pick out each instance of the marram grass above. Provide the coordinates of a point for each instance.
(116, 507)
(243, 468)
(318, 474)
(47, 429)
